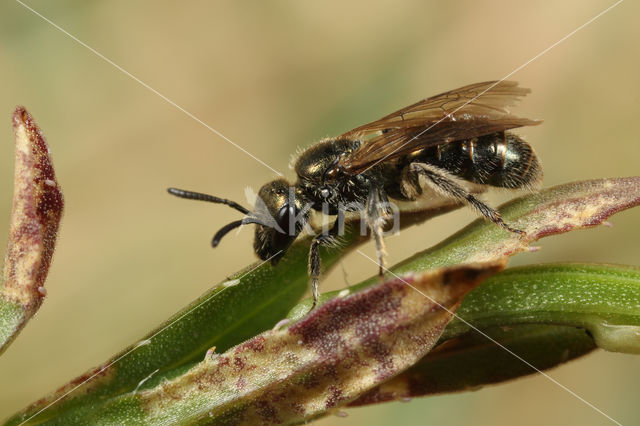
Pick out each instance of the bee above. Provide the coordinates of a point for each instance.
(438, 147)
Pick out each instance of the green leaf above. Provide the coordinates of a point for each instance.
(552, 211)
(471, 361)
(338, 351)
(169, 354)
(544, 314)
(249, 302)
(604, 299)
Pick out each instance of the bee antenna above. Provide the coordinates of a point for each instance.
(233, 225)
(224, 231)
(190, 195)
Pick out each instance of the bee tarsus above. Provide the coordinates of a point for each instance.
(446, 186)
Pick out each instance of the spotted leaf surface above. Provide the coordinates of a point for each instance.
(553, 211)
(35, 216)
(546, 314)
(323, 361)
(136, 387)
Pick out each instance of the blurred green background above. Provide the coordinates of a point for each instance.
(275, 76)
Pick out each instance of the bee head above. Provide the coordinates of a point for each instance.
(278, 215)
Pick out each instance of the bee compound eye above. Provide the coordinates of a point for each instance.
(286, 219)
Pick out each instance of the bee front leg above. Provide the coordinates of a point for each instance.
(440, 181)
(314, 268)
(327, 238)
(376, 214)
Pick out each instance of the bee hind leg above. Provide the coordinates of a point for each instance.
(440, 181)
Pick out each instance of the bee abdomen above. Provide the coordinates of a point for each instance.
(499, 159)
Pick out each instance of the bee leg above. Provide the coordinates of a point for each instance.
(314, 258)
(443, 184)
(376, 213)
(314, 269)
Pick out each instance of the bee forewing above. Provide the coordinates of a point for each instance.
(470, 111)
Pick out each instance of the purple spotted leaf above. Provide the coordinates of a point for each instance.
(323, 361)
(552, 211)
(163, 380)
(35, 216)
(546, 314)
(249, 302)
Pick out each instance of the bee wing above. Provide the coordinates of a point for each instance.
(470, 111)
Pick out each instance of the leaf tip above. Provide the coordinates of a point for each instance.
(36, 213)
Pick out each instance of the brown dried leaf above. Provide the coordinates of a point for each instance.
(36, 213)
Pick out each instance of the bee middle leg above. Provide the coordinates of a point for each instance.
(440, 181)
